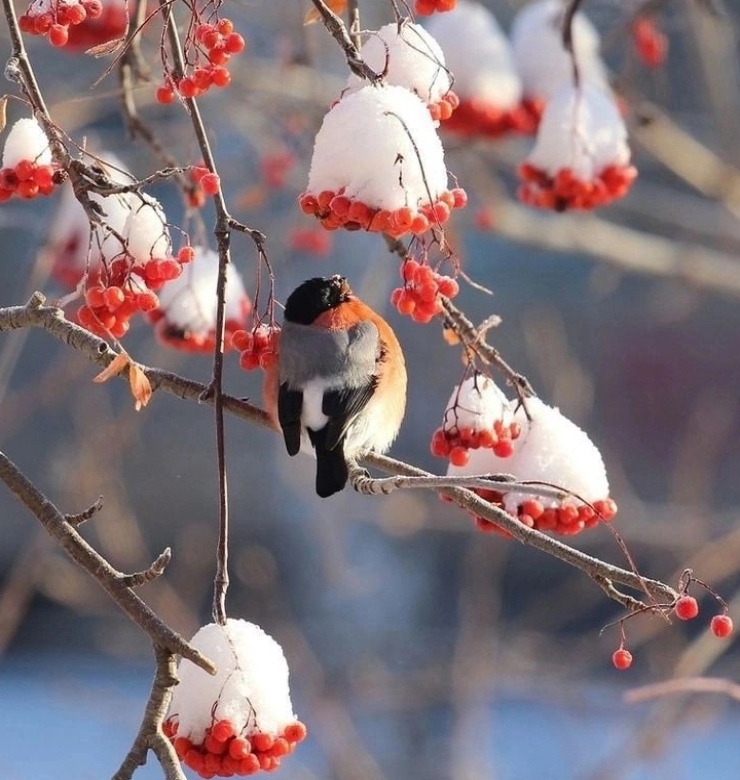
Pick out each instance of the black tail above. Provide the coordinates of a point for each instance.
(331, 467)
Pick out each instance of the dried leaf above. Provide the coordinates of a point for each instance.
(141, 388)
(450, 336)
(114, 368)
(252, 197)
(313, 16)
(3, 117)
(109, 47)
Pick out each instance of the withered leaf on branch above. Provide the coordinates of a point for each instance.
(312, 16)
(141, 388)
(109, 47)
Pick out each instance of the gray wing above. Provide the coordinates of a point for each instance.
(346, 360)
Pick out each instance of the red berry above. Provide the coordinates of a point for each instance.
(686, 608)
(220, 76)
(113, 297)
(234, 43)
(165, 94)
(225, 26)
(58, 35)
(721, 626)
(622, 659)
(459, 456)
(27, 189)
(186, 254)
(210, 183)
(210, 38)
(187, 87)
(24, 170)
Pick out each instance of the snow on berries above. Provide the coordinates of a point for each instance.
(27, 168)
(580, 159)
(378, 165)
(186, 315)
(487, 84)
(477, 416)
(208, 50)
(547, 450)
(240, 720)
(258, 347)
(419, 298)
(541, 58)
(134, 264)
(54, 18)
(406, 55)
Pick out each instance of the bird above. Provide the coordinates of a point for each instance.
(340, 383)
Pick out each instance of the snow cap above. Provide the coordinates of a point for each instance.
(26, 141)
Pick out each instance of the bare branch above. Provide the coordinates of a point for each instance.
(86, 514)
(95, 565)
(684, 685)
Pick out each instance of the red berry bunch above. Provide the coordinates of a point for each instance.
(27, 180)
(205, 183)
(259, 349)
(476, 118)
(313, 242)
(334, 210)
(111, 24)
(224, 753)
(214, 45)
(442, 110)
(53, 19)
(455, 443)
(121, 289)
(276, 167)
(566, 191)
(419, 296)
(650, 43)
(428, 7)
(567, 519)
(622, 659)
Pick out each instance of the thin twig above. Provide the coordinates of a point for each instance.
(81, 517)
(684, 685)
(149, 575)
(95, 565)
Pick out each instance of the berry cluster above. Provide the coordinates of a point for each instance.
(335, 210)
(118, 291)
(419, 296)
(205, 183)
(259, 349)
(443, 109)
(215, 43)
(650, 43)
(27, 180)
(54, 19)
(314, 242)
(566, 191)
(224, 753)
(111, 24)
(276, 167)
(428, 7)
(480, 118)
(567, 519)
(455, 443)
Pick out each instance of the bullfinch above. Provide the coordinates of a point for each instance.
(341, 379)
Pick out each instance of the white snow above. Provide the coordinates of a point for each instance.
(380, 144)
(189, 301)
(250, 688)
(581, 129)
(478, 54)
(26, 141)
(414, 61)
(146, 230)
(541, 58)
(476, 403)
(555, 450)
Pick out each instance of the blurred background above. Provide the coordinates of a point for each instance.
(418, 647)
